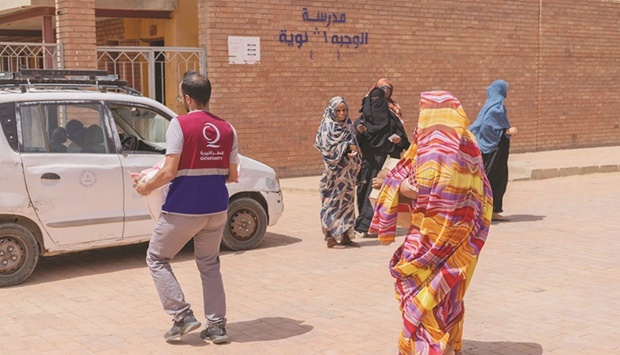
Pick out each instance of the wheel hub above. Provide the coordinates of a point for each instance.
(11, 254)
(242, 225)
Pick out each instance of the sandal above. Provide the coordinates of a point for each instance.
(332, 243)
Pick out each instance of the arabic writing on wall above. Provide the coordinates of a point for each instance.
(347, 41)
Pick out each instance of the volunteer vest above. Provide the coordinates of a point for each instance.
(200, 185)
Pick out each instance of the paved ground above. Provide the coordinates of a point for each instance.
(546, 283)
(525, 166)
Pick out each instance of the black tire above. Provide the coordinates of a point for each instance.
(246, 225)
(19, 253)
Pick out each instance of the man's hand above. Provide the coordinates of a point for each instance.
(135, 177)
(142, 188)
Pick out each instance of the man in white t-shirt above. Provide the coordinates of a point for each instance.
(201, 157)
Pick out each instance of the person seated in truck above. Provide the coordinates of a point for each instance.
(75, 133)
(58, 138)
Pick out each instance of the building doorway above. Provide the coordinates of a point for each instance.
(160, 71)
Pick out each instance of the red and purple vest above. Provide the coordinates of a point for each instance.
(200, 185)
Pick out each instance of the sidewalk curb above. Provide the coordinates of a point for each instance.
(550, 173)
(310, 184)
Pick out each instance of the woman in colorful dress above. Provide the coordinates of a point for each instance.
(442, 175)
(341, 155)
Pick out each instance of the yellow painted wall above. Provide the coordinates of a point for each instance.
(179, 31)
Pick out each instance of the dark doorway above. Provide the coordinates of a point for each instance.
(160, 72)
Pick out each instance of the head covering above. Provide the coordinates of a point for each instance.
(440, 141)
(492, 119)
(58, 136)
(392, 104)
(376, 111)
(449, 221)
(385, 82)
(333, 133)
(380, 124)
(93, 134)
(75, 130)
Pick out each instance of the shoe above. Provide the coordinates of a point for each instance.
(332, 243)
(183, 326)
(216, 333)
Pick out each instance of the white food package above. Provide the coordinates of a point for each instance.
(155, 200)
(157, 197)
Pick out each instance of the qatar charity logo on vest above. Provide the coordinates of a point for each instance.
(212, 136)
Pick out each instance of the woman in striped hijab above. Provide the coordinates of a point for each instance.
(442, 175)
(336, 141)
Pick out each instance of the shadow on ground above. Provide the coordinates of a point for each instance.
(373, 241)
(520, 218)
(271, 240)
(263, 329)
(525, 218)
(471, 347)
(266, 329)
(98, 261)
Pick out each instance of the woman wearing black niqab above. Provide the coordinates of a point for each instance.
(377, 129)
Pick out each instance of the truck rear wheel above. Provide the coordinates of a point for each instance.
(19, 253)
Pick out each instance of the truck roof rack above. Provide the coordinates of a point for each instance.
(26, 79)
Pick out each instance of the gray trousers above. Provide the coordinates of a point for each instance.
(171, 233)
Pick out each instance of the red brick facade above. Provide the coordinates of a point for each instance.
(76, 30)
(559, 58)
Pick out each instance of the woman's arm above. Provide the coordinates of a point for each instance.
(408, 190)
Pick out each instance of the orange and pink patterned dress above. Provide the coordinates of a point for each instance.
(449, 224)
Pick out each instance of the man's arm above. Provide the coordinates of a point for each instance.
(162, 177)
(233, 168)
(233, 173)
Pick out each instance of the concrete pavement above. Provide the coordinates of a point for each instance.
(546, 283)
(524, 166)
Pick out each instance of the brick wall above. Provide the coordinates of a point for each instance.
(579, 75)
(562, 71)
(110, 32)
(76, 29)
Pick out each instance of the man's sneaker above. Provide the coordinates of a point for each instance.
(183, 326)
(216, 333)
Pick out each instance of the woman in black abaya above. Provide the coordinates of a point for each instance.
(380, 133)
